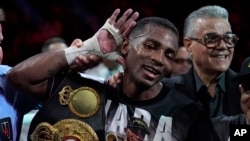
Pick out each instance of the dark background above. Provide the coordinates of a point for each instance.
(30, 22)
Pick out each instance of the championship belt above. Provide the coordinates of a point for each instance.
(74, 112)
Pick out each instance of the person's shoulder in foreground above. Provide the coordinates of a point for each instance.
(4, 69)
(13, 104)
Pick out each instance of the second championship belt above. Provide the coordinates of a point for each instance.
(74, 112)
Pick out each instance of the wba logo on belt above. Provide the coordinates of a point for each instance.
(74, 112)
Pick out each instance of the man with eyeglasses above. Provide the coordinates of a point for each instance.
(209, 38)
(182, 62)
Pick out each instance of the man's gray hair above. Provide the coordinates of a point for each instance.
(210, 11)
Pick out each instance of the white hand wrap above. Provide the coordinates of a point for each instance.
(91, 46)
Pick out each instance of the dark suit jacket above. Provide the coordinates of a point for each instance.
(205, 129)
(231, 99)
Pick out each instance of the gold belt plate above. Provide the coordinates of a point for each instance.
(64, 130)
(83, 102)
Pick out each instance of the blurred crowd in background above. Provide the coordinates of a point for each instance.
(30, 22)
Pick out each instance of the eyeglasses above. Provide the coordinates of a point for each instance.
(182, 60)
(212, 40)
